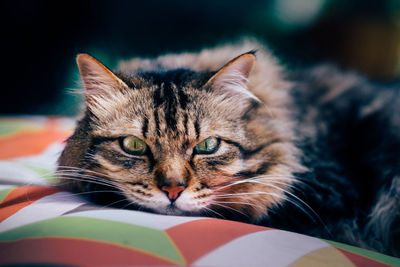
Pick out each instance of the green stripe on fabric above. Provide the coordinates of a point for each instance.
(8, 126)
(6, 129)
(153, 241)
(367, 253)
(4, 193)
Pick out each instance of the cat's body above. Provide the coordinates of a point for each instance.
(314, 151)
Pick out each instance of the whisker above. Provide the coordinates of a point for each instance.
(213, 211)
(244, 193)
(81, 175)
(262, 193)
(84, 178)
(85, 193)
(73, 178)
(80, 172)
(80, 169)
(291, 201)
(98, 176)
(227, 207)
(115, 202)
(127, 205)
(271, 178)
(293, 179)
(299, 199)
(96, 191)
(242, 203)
(270, 194)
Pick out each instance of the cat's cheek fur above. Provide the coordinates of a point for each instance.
(157, 202)
(235, 167)
(192, 202)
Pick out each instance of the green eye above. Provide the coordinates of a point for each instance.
(133, 145)
(207, 146)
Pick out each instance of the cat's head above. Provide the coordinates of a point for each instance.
(181, 142)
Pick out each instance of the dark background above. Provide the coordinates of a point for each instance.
(42, 38)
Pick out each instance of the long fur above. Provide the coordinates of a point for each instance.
(312, 150)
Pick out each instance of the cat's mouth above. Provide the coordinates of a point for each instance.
(178, 208)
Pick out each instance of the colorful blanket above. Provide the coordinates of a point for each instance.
(41, 225)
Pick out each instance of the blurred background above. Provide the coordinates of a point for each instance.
(42, 38)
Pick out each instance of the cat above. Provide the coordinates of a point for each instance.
(228, 132)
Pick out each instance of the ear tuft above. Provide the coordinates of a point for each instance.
(233, 77)
(96, 77)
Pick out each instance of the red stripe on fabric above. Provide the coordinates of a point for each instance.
(21, 197)
(76, 252)
(360, 260)
(196, 238)
(31, 141)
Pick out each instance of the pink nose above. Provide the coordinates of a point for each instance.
(173, 192)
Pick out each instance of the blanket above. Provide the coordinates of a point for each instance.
(42, 225)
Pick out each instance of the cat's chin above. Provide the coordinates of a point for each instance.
(172, 210)
(175, 210)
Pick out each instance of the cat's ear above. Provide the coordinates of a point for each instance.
(103, 88)
(97, 78)
(232, 78)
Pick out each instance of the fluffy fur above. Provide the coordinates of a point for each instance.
(314, 151)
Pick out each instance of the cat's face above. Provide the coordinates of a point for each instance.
(181, 142)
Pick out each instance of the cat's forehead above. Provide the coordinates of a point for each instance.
(172, 93)
(166, 113)
(166, 106)
(178, 77)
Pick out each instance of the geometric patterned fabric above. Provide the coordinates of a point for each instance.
(41, 225)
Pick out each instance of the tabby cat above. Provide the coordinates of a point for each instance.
(227, 132)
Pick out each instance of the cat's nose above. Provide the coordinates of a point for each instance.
(173, 191)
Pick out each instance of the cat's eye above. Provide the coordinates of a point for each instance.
(207, 146)
(134, 145)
